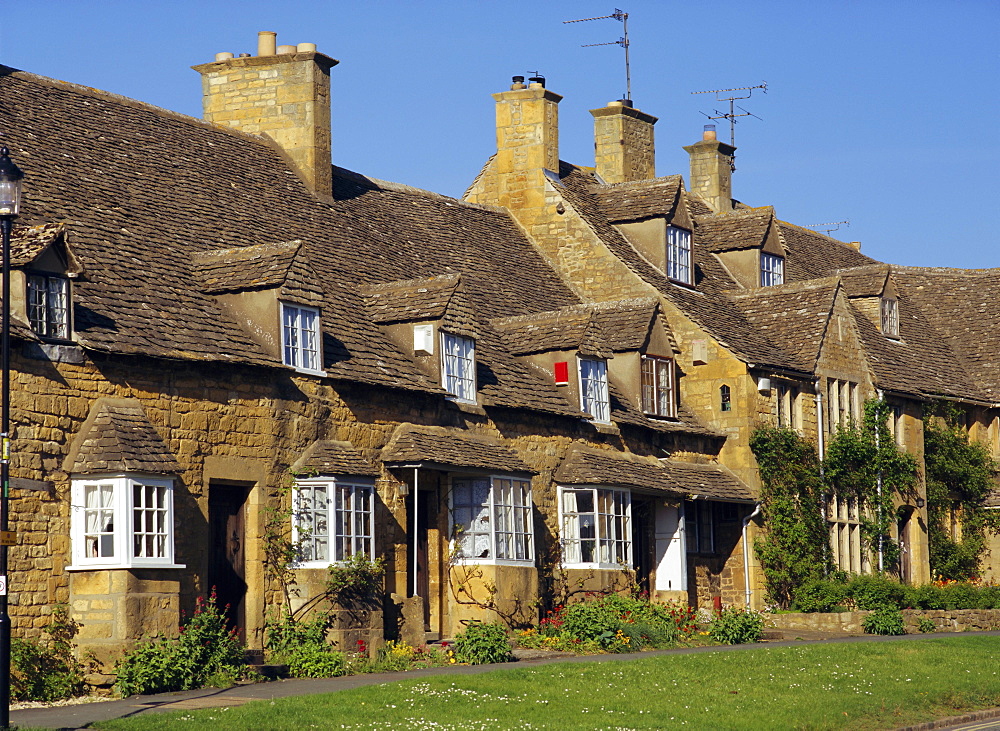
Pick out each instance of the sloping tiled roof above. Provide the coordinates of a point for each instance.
(327, 457)
(810, 254)
(960, 307)
(744, 229)
(121, 439)
(172, 187)
(706, 302)
(590, 466)
(563, 329)
(634, 201)
(438, 445)
(795, 315)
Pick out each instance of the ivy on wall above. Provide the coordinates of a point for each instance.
(863, 462)
(960, 474)
(794, 549)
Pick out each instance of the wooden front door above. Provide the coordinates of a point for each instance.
(227, 550)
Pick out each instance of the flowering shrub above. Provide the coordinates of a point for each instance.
(612, 623)
(481, 643)
(206, 652)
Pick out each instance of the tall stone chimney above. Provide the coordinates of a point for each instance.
(527, 142)
(282, 92)
(623, 143)
(712, 171)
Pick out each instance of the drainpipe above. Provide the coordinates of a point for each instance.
(821, 441)
(746, 551)
(878, 485)
(416, 517)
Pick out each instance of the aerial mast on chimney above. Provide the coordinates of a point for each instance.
(731, 115)
(622, 17)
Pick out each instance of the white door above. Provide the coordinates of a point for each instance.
(671, 553)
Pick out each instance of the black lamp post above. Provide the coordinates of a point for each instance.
(10, 202)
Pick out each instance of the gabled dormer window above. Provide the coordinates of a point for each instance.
(458, 366)
(48, 305)
(594, 398)
(300, 338)
(772, 269)
(679, 254)
(658, 394)
(890, 317)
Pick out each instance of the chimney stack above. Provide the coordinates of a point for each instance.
(712, 171)
(623, 143)
(282, 92)
(527, 142)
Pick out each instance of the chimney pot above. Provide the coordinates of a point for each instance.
(244, 55)
(266, 41)
(616, 103)
(286, 49)
(306, 48)
(518, 83)
(537, 82)
(709, 133)
(626, 103)
(224, 56)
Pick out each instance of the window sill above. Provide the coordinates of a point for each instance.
(604, 427)
(307, 371)
(494, 562)
(119, 566)
(597, 566)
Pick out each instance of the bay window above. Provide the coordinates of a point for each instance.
(491, 519)
(596, 527)
(122, 521)
(332, 520)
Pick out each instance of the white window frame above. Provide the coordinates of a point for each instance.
(889, 309)
(116, 521)
(494, 512)
(595, 396)
(772, 269)
(341, 522)
(611, 529)
(48, 304)
(679, 266)
(842, 400)
(458, 367)
(301, 339)
(658, 386)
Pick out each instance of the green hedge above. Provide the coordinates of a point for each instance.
(875, 591)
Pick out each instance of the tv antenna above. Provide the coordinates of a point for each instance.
(826, 227)
(731, 115)
(622, 17)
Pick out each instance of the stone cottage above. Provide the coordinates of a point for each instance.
(544, 389)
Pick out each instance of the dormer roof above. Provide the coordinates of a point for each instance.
(117, 437)
(29, 243)
(635, 201)
(282, 266)
(741, 229)
(329, 457)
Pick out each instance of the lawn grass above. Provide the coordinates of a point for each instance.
(879, 685)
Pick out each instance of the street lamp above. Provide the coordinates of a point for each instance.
(10, 202)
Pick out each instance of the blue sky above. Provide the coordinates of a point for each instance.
(883, 113)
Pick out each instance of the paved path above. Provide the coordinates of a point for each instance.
(81, 716)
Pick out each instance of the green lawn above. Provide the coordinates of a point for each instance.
(858, 685)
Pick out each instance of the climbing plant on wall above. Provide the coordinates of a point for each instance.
(863, 462)
(960, 474)
(794, 547)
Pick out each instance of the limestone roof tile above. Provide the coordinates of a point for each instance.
(449, 447)
(743, 229)
(634, 201)
(594, 466)
(328, 457)
(121, 439)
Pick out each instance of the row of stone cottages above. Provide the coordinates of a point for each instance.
(543, 389)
